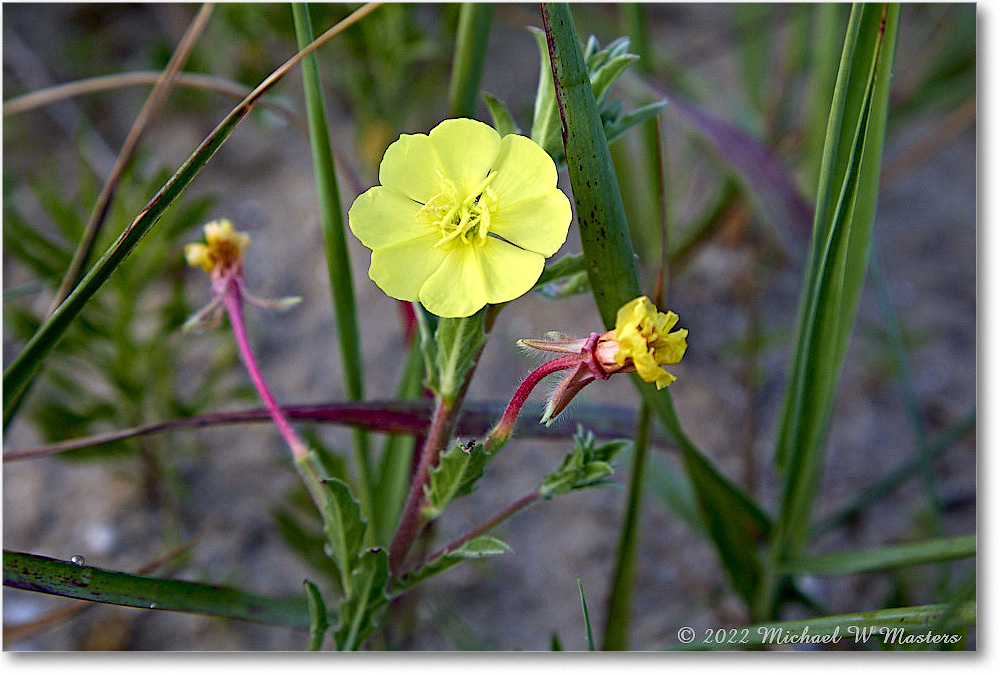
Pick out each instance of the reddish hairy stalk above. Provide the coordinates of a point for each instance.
(409, 524)
(505, 426)
(234, 305)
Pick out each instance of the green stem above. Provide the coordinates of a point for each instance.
(619, 616)
(337, 257)
(474, 21)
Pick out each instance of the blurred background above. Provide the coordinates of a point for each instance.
(760, 73)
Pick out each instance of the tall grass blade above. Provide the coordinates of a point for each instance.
(338, 260)
(886, 557)
(474, 22)
(838, 257)
(57, 577)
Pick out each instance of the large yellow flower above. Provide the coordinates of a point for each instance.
(462, 218)
(644, 339)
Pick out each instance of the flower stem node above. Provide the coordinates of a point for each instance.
(641, 342)
(463, 218)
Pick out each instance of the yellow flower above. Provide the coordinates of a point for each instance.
(462, 217)
(222, 251)
(644, 338)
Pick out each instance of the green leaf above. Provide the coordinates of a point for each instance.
(586, 617)
(565, 267)
(844, 216)
(574, 284)
(345, 530)
(57, 577)
(886, 557)
(456, 475)
(475, 549)
(368, 595)
(855, 629)
(474, 22)
(459, 343)
(503, 121)
(584, 466)
(318, 622)
(618, 126)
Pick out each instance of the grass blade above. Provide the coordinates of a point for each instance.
(586, 618)
(887, 557)
(474, 22)
(338, 260)
(48, 575)
(845, 211)
(21, 370)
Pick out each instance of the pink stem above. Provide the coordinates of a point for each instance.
(234, 305)
(505, 427)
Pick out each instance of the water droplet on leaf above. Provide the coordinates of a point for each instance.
(78, 560)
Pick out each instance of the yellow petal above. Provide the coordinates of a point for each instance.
(539, 223)
(508, 271)
(467, 150)
(400, 270)
(523, 170)
(384, 216)
(411, 165)
(457, 288)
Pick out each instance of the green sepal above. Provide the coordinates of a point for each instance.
(456, 475)
(368, 595)
(475, 549)
(503, 121)
(318, 621)
(459, 342)
(585, 466)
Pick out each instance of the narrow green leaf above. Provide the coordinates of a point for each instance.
(584, 466)
(474, 21)
(368, 595)
(586, 617)
(56, 577)
(615, 128)
(459, 342)
(845, 211)
(503, 121)
(852, 629)
(338, 259)
(887, 557)
(475, 549)
(566, 266)
(456, 475)
(318, 622)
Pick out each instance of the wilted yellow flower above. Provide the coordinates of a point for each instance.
(644, 338)
(462, 218)
(222, 251)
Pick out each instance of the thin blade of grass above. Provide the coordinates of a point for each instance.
(22, 369)
(586, 617)
(474, 22)
(834, 276)
(56, 577)
(147, 113)
(886, 557)
(338, 260)
(734, 521)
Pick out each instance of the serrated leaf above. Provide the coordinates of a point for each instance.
(459, 342)
(367, 597)
(503, 121)
(343, 526)
(480, 547)
(455, 476)
(318, 622)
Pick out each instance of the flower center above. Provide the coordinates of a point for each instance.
(461, 218)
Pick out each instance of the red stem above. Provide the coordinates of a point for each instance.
(234, 305)
(505, 427)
